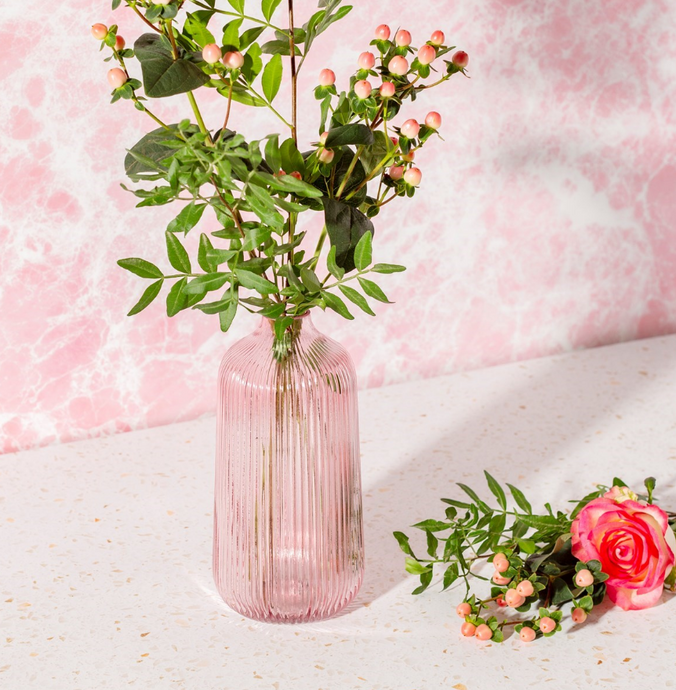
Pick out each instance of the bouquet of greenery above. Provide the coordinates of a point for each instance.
(614, 542)
(259, 189)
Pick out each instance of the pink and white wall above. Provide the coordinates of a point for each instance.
(546, 220)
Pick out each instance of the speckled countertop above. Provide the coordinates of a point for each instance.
(105, 546)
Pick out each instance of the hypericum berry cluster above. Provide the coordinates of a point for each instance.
(381, 102)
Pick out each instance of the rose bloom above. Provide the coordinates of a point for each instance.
(634, 543)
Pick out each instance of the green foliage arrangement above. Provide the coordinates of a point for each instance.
(259, 189)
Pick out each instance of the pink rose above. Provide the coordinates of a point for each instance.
(634, 544)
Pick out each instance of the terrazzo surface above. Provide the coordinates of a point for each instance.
(105, 564)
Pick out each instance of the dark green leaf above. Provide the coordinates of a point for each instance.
(337, 304)
(346, 226)
(162, 75)
(473, 495)
(346, 135)
(292, 159)
(178, 256)
(176, 299)
(373, 290)
(278, 47)
(252, 281)
(310, 280)
(496, 490)
(650, 486)
(150, 148)
(187, 219)
(520, 499)
(450, 575)
(357, 299)
(273, 157)
(148, 296)
(334, 269)
(140, 267)
(207, 283)
(425, 580)
(433, 525)
(561, 592)
(228, 316)
(432, 544)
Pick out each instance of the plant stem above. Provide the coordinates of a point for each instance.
(140, 14)
(349, 172)
(227, 112)
(320, 245)
(294, 76)
(198, 114)
(269, 105)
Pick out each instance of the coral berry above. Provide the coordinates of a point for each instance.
(460, 59)
(383, 32)
(500, 580)
(579, 615)
(323, 138)
(547, 624)
(233, 59)
(584, 578)
(387, 90)
(483, 632)
(463, 609)
(527, 634)
(433, 121)
(467, 629)
(211, 53)
(398, 65)
(427, 55)
(514, 599)
(362, 89)
(120, 43)
(403, 38)
(99, 31)
(297, 175)
(327, 77)
(501, 564)
(367, 60)
(397, 172)
(437, 38)
(326, 156)
(117, 77)
(410, 129)
(413, 176)
(525, 588)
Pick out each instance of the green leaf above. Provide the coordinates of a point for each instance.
(162, 75)
(357, 299)
(520, 499)
(347, 135)
(540, 522)
(450, 575)
(228, 316)
(473, 495)
(650, 486)
(346, 225)
(176, 299)
(187, 219)
(207, 283)
(289, 183)
(252, 281)
(203, 254)
(561, 592)
(248, 37)
(496, 490)
(140, 267)
(337, 305)
(432, 544)
(148, 296)
(425, 580)
(415, 568)
(363, 252)
(196, 27)
(402, 539)
(373, 290)
(272, 77)
(231, 33)
(388, 268)
(433, 525)
(238, 5)
(178, 256)
(147, 154)
(269, 7)
(310, 280)
(527, 546)
(116, 4)
(292, 159)
(333, 267)
(273, 157)
(278, 47)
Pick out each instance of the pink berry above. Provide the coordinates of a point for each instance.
(427, 55)
(525, 588)
(433, 120)
(500, 602)
(395, 141)
(409, 157)
(117, 77)
(460, 59)
(547, 624)
(120, 43)
(403, 38)
(514, 599)
(483, 632)
(413, 176)
(383, 32)
(398, 65)
(463, 609)
(584, 578)
(233, 59)
(323, 138)
(99, 31)
(297, 175)
(501, 564)
(579, 615)
(527, 634)
(211, 53)
(499, 580)
(387, 90)
(410, 129)
(326, 156)
(467, 629)
(397, 172)
(327, 77)
(367, 60)
(438, 38)
(362, 89)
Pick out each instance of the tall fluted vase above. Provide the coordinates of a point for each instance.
(288, 533)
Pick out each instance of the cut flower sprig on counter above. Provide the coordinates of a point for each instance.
(613, 543)
(363, 156)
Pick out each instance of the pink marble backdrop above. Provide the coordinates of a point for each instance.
(545, 222)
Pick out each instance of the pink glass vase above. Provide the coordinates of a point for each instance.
(288, 534)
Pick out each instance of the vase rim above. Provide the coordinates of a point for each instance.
(300, 317)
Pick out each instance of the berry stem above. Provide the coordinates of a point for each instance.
(140, 14)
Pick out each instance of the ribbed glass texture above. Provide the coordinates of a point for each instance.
(288, 533)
